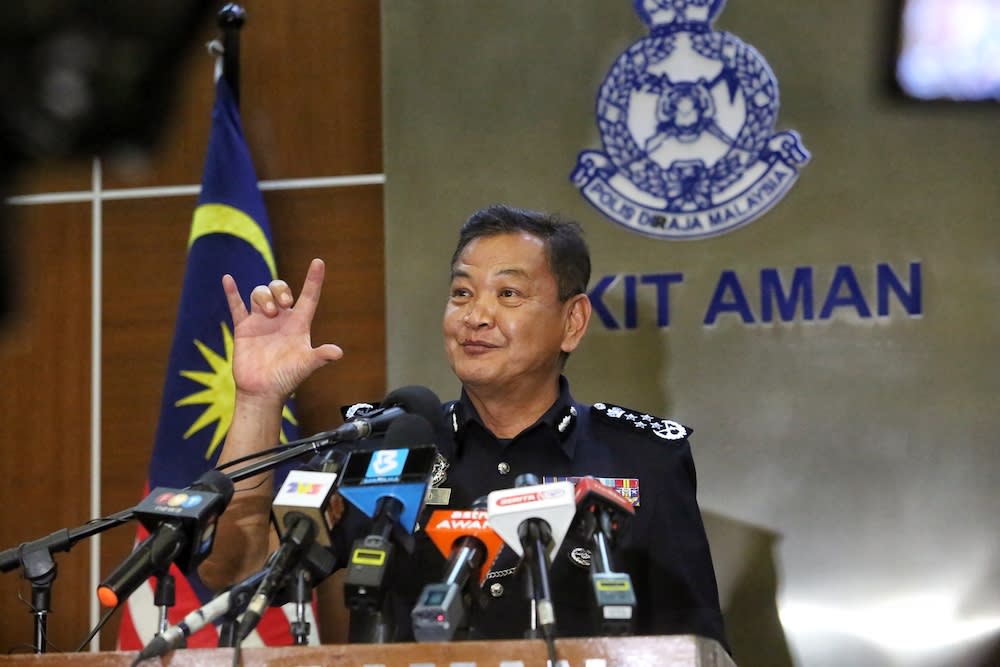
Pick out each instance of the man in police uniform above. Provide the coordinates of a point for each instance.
(517, 308)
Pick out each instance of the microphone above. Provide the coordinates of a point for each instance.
(300, 533)
(175, 637)
(602, 515)
(393, 479)
(471, 546)
(389, 485)
(412, 400)
(532, 519)
(299, 512)
(306, 492)
(405, 400)
(182, 531)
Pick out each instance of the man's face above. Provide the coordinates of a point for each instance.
(504, 326)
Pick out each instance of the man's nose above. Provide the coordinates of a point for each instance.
(479, 313)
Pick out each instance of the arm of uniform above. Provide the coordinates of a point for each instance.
(669, 559)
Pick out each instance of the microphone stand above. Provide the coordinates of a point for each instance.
(316, 565)
(318, 562)
(543, 620)
(40, 570)
(164, 598)
(300, 627)
(239, 598)
(35, 557)
(534, 537)
(38, 567)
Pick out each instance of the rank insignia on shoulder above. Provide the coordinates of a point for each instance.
(665, 429)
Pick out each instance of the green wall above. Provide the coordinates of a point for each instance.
(847, 465)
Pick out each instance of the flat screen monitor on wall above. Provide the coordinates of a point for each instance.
(949, 50)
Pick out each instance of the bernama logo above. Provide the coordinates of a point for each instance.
(687, 116)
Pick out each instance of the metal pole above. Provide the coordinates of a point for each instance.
(231, 19)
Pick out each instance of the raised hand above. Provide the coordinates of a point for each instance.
(273, 351)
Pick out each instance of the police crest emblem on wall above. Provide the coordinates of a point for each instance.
(686, 116)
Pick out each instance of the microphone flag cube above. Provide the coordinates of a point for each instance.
(445, 527)
(307, 492)
(554, 503)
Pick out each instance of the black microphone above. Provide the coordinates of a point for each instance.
(235, 598)
(182, 531)
(602, 516)
(405, 400)
(307, 491)
(300, 533)
(412, 400)
(533, 519)
(388, 484)
(471, 546)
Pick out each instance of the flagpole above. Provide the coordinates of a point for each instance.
(230, 20)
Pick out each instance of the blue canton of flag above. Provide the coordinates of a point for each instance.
(230, 233)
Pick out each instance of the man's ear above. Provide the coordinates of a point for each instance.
(577, 316)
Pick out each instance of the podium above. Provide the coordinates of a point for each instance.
(656, 651)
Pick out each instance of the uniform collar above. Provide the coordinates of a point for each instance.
(559, 420)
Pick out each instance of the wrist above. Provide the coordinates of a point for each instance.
(259, 402)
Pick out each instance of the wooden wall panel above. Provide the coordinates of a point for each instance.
(311, 106)
(45, 405)
(310, 97)
(313, 97)
(342, 226)
(144, 261)
(54, 176)
(145, 243)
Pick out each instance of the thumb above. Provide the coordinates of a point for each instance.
(328, 352)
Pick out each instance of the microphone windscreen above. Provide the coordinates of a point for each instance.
(409, 430)
(526, 479)
(417, 400)
(215, 482)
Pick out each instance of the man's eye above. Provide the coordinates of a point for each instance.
(459, 293)
(508, 293)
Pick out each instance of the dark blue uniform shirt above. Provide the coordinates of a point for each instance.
(664, 551)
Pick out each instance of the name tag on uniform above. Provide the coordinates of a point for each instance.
(438, 495)
(627, 487)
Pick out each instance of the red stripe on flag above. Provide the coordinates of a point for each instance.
(128, 638)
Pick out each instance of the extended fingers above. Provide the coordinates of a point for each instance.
(233, 299)
(311, 289)
(278, 295)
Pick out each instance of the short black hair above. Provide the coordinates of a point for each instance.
(566, 250)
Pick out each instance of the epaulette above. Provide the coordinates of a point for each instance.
(656, 427)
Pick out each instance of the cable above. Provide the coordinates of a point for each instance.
(97, 628)
(258, 455)
(45, 638)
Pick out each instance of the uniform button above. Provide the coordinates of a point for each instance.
(503, 467)
(496, 590)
